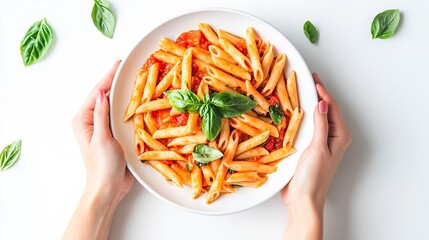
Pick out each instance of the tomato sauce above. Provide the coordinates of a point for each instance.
(193, 38)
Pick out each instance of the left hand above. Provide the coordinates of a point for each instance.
(104, 157)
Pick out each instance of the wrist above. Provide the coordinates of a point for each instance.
(305, 220)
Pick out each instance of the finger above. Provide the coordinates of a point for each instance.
(321, 125)
(104, 85)
(101, 116)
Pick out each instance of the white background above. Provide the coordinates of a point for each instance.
(380, 190)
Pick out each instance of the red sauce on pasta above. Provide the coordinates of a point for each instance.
(193, 38)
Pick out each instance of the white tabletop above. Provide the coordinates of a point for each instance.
(379, 192)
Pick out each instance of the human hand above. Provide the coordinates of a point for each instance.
(104, 157)
(304, 196)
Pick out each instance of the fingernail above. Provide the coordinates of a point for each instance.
(99, 97)
(323, 107)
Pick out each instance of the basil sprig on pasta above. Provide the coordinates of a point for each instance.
(205, 154)
(212, 109)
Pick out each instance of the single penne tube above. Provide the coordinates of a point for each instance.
(209, 33)
(166, 81)
(208, 174)
(253, 152)
(171, 132)
(253, 53)
(283, 96)
(182, 173)
(238, 56)
(151, 142)
(251, 91)
(166, 57)
(254, 184)
(150, 123)
(192, 122)
(192, 139)
(215, 165)
(202, 54)
(277, 155)
(217, 84)
(277, 70)
(231, 68)
(152, 78)
(259, 124)
(170, 46)
(196, 181)
(250, 166)
(161, 155)
(267, 60)
(252, 142)
(167, 172)
(263, 48)
(292, 89)
(213, 144)
(292, 128)
(186, 81)
(224, 134)
(187, 149)
(216, 187)
(226, 78)
(220, 53)
(236, 40)
(138, 141)
(135, 100)
(158, 104)
(243, 127)
(242, 177)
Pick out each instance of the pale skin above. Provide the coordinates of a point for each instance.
(305, 195)
(108, 181)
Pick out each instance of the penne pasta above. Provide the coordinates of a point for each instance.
(154, 105)
(209, 33)
(276, 71)
(207, 62)
(252, 142)
(238, 56)
(152, 78)
(253, 152)
(137, 94)
(161, 155)
(259, 124)
(252, 50)
(292, 89)
(292, 128)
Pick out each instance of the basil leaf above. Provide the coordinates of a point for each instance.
(103, 18)
(276, 113)
(385, 23)
(184, 100)
(311, 32)
(232, 104)
(10, 155)
(212, 121)
(36, 42)
(205, 154)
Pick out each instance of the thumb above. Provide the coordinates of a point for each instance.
(321, 125)
(101, 115)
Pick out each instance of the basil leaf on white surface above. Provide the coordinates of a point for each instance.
(205, 154)
(385, 24)
(10, 155)
(103, 18)
(311, 32)
(36, 42)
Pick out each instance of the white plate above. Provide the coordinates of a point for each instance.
(234, 22)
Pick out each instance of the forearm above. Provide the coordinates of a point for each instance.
(305, 221)
(92, 218)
